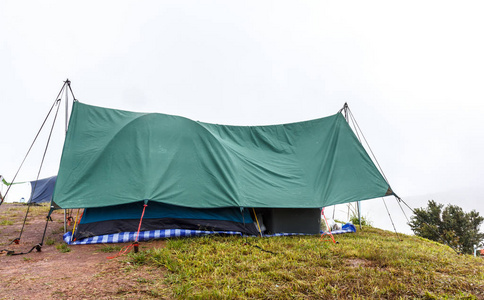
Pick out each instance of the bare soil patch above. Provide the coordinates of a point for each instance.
(357, 262)
(83, 273)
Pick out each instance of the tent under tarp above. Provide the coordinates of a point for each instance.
(126, 218)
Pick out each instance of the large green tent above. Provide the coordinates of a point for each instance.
(113, 157)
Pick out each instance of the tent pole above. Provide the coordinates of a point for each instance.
(67, 103)
(65, 221)
(358, 207)
(67, 82)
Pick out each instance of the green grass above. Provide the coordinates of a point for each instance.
(6, 222)
(369, 264)
(63, 248)
(19, 211)
(50, 242)
(109, 248)
(37, 210)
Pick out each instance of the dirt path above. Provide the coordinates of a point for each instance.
(83, 273)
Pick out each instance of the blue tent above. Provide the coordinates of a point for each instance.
(126, 218)
(42, 190)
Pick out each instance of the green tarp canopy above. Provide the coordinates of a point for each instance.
(113, 157)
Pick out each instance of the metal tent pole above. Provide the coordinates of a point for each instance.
(358, 203)
(67, 82)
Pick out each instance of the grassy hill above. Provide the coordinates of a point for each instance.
(369, 264)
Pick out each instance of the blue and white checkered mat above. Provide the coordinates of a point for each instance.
(126, 237)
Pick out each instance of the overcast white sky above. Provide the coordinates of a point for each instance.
(412, 73)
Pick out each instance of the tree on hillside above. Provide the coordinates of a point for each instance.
(449, 225)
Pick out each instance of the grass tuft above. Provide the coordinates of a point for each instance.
(6, 222)
(63, 248)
